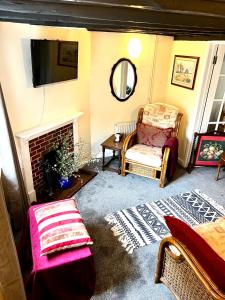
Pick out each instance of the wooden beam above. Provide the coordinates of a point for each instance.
(153, 17)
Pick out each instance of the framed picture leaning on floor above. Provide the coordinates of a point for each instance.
(207, 149)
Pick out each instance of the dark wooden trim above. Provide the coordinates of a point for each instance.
(199, 19)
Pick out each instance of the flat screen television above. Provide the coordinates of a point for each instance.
(53, 61)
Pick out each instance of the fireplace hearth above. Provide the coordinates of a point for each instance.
(84, 176)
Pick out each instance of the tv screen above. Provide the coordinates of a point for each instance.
(53, 61)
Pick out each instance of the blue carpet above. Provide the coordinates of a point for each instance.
(119, 274)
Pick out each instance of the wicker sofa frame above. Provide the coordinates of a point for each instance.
(183, 275)
(130, 166)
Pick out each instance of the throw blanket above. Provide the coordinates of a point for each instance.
(171, 143)
(214, 235)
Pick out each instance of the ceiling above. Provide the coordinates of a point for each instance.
(190, 19)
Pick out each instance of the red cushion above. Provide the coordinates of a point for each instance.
(211, 262)
(152, 136)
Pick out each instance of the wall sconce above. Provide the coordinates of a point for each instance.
(134, 47)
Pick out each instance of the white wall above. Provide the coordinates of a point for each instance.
(187, 100)
(27, 106)
(107, 49)
(90, 93)
(163, 52)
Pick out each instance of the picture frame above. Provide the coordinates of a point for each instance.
(185, 71)
(207, 149)
(68, 54)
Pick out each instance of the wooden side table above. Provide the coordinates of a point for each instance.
(221, 163)
(115, 147)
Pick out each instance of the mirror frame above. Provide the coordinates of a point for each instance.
(111, 79)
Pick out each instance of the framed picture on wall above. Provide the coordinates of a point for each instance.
(68, 54)
(185, 71)
(207, 149)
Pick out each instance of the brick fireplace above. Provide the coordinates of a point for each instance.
(40, 146)
(36, 142)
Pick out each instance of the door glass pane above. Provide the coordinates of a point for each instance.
(215, 111)
(221, 127)
(220, 88)
(223, 66)
(222, 116)
(211, 127)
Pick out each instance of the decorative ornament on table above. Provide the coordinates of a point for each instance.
(118, 137)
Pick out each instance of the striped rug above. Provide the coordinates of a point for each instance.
(144, 224)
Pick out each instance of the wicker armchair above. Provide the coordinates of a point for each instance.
(179, 270)
(161, 116)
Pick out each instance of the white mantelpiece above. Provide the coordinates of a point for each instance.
(24, 137)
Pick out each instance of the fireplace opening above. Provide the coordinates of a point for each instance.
(50, 176)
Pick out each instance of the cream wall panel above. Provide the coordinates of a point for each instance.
(107, 49)
(187, 100)
(27, 106)
(163, 52)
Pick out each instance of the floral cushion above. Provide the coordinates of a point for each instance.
(160, 115)
(60, 226)
(147, 155)
(153, 136)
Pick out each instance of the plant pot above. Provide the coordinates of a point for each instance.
(65, 182)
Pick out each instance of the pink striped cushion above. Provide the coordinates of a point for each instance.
(60, 226)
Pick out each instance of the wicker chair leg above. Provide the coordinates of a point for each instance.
(162, 179)
(159, 265)
(123, 166)
(164, 167)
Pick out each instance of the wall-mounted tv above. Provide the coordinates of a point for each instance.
(53, 61)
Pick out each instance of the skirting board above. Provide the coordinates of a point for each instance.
(182, 162)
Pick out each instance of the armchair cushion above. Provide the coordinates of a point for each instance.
(147, 155)
(211, 262)
(160, 115)
(152, 136)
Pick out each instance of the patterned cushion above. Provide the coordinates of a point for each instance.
(160, 115)
(60, 226)
(153, 136)
(147, 155)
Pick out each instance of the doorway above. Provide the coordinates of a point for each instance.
(214, 110)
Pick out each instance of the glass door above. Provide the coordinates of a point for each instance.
(214, 115)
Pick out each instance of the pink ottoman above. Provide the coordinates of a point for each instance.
(68, 275)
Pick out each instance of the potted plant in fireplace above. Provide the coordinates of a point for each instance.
(69, 160)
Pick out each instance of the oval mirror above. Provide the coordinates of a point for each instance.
(123, 79)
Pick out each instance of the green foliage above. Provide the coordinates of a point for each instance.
(69, 161)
